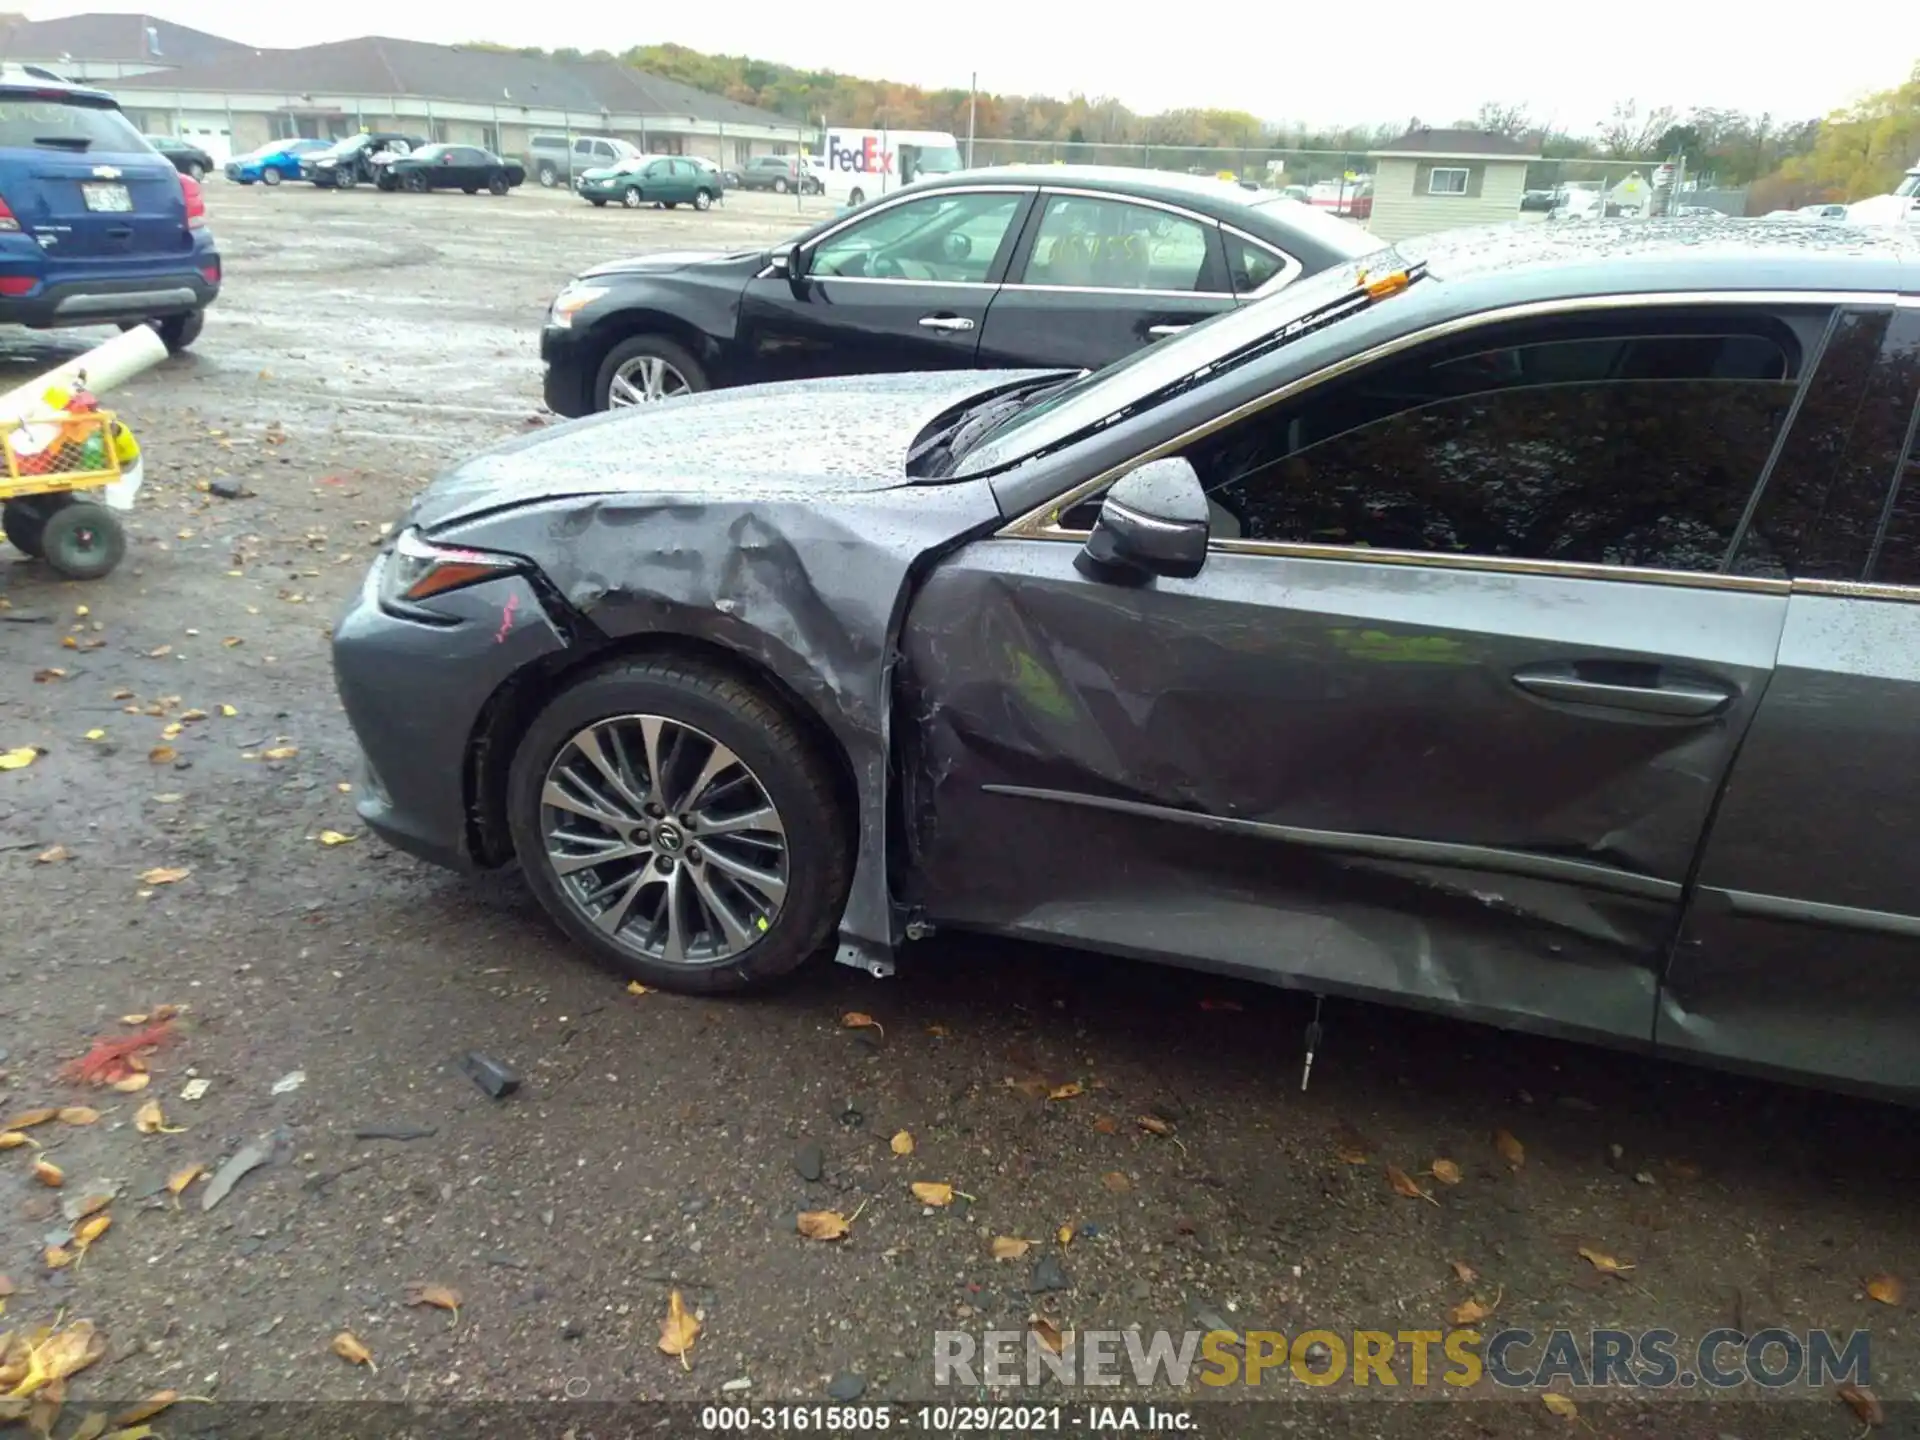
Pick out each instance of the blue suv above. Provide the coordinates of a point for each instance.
(96, 227)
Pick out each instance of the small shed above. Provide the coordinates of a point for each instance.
(1437, 179)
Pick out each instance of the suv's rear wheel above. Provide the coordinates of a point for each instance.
(779, 184)
(548, 176)
(677, 823)
(645, 370)
(177, 332)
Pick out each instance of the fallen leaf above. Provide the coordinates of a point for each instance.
(1106, 1125)
(161, 875)
(1350, 1147)
(159, 652)
(1006, 1247)
(228, 711)
(1511, 1150)
(1445, 1171)
(634, 987)
(162, 755)
(13, 1140)
(43, 1413)
(679, 1330)
(6, 1287)
(18, 758)
(857, 1020)
(1887, 1289)
(48, 1173)
(189, 716)
(334, 837)
(1602, 1262)
(90, 1230)
(932, 1192)
(27, 1119)
(1865, 1407)
(149, 1119)
(57, 1257)
(129, 1084)
(439, 1296)
(1472, 1312)
(1033, 1087)
(1066, 1091)
(92, 1205)
(821, 1224)
(1065, 1237)
(348, 1347)
(181, 1179)
(53, 855)
(280, 752)
(937, 1031)
(92, 1427)
(58, 1355)
(1404, 1184)
(1047, 1333)
(1465, 1272)
(901, 1144)
(1560, 1405)
(52, 672)
(96, 734)
(170, 732)
(148, 1408)
(1153, 1125)
(78, 1115)
(1116, 1182)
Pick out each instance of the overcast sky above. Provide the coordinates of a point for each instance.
(1321, 63)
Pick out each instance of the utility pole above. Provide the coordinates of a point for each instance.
(973, 98)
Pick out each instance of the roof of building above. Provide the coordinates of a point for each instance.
(1454, 143)
(135, 39)
(379, 65)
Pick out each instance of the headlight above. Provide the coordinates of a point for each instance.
(417, 570)
(572, 300)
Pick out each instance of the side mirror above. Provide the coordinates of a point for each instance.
(1153, 522)
(790, 261)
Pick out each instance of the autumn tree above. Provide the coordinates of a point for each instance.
(1629, 133)
(1863, 150)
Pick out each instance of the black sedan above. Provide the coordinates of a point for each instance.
(452, 167)
(1520, 624)
(1026, 265)
(188, 158)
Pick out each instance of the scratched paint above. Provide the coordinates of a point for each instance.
(506, 619)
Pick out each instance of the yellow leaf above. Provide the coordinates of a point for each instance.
(55, 1356)
(821, 1224)
(189, 716)
(228, 711)
(90, 1230)
(92, 1205)
(1106, 1125)
(680, 1329)
(1560, 1405)
(1047, 1333)
(901, 1144)
(1511, 1150)
(1403, 1184)
(53, 855)
(1116, 1182)
(181, 1179)
(930, 1192)
(348, 1347)
(1887, 1289)
(438, 1296)
(334, 837)
(937, 1031)
(18, 758)
(856, 1020)
(1066, 1091)
(634, 987)
(1065, 1235)
(27, 1119)
(1866, 1408)
(92, 1427)
(281, 752)
(139, 1017)
(161, 875)
(1465, 1272)
(48, 1173)
(52, 672)
(56, 1257)
(148, 1408)
(1472, 1312)
(1006, 1247)
(1602, 1262)
(1446, 1172)
(78, 1115)
(82, 611)
(133, 1083)
(161, 755)
(96, 734)
(13, 1140)
(159, 652)
(1350, 1147)
(169, 732)
(1153, 1125)
(149, 1119)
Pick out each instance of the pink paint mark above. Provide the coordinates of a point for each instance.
(506, 620)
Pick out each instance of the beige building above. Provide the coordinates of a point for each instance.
(1438, 179)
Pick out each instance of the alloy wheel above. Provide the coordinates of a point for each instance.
(664, 839)
(644, 380)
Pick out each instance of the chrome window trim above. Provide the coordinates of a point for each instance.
(1042, 522)
(1290, 267)
(903, 280)
(1122, 290)
(1858, 590)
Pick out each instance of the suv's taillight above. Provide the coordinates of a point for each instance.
(7, 221)
(196, 202)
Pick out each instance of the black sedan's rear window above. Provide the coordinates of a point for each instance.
(48, 122)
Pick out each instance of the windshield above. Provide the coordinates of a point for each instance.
(348, 146)
(429, 152)
(1103, 395)
(53, 122)
(1910, 185)
(1342, 237)
(929, 160)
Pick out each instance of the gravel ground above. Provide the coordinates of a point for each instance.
(660, 1144)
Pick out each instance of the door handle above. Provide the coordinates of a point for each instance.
(1159, 330)
(1680, 699)
(946, 322)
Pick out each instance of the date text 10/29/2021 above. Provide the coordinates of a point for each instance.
(945, 1419)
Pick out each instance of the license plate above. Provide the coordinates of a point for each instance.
(113, 199)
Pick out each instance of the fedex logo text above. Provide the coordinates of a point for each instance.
(867, 158)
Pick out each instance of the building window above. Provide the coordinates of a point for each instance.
(1447, 182)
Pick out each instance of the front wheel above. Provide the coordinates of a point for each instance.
(779, 186)
(417, 184)
(498, 185)
(597, 203)
(270, 175)
(678, 824)
(345, 179)
(83, 541)
(644, 371)
(631, 198)
(469, 189)
(196, 172)
(703, 200)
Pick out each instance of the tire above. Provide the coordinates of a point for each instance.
(417, 184)
(83, 541)
(793, 776)
(632, 198)
(498, 185)
(345, 179)
(383, 181)
(671, 204)
(703, 200)
(780, 185)
(177, 332)
(857, 197)
(469, 189)
(196, 172)
(270, 175)
(639, 346)
(548, 176)
(23, 521)
(597, 204)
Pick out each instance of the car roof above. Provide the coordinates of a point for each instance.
(1173, 186)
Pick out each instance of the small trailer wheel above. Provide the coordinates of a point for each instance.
(25, 518)
(83, 541)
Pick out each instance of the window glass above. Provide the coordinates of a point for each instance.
(1447, 182)
(35, 122)
(1561, 443)
(945, 237)
(1896, 559)
(1111, 245)
(1250, 265)
(583, 147)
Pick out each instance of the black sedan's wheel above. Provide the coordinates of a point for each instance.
(417, 183)
(345, 178)
(679, 825)
(498, 185)
(469, 189)
(645, 370)
(631, 197)
(83, 541)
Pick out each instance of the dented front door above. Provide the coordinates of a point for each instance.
(1476, 789)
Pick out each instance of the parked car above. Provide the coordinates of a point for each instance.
(728, 179)
(452, 167)
(1539, 200)
(1516, 625)
(187, 158)
(359, 159)
(1020, 265)
(96, 227)
(561, 159)
(781, 174)
(668, 180)
(273, 162)
(1822, 212)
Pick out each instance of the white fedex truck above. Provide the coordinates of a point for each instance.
(857, 165)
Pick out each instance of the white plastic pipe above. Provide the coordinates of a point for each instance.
(104, 366)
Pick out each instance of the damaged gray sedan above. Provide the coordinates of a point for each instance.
(1519, 625)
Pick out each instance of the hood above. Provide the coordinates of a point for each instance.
(806, 439)
(668, 261)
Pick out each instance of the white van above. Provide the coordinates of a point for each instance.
(860, 164)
